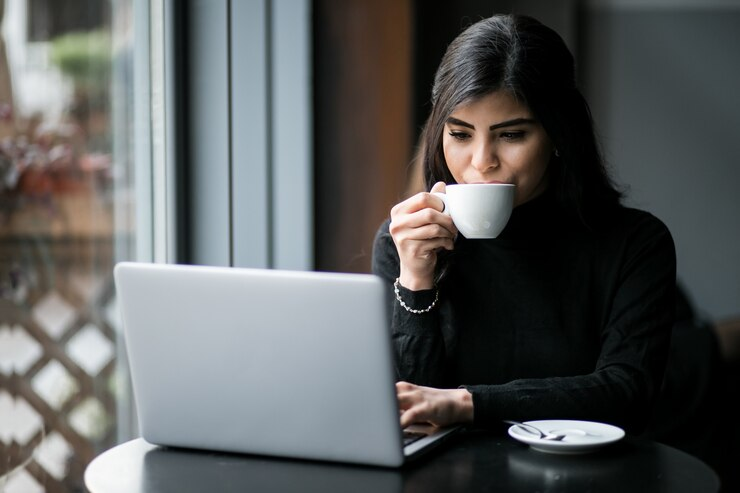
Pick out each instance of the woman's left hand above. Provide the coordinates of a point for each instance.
(439, 407)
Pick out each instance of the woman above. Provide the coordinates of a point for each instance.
(567, 314)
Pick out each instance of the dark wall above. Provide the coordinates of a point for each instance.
(663, 86)
(362, 124)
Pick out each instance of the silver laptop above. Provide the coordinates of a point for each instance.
(280, 363)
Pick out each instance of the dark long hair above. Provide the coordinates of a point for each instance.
(521, 55)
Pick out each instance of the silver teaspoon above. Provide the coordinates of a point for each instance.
(533, 430)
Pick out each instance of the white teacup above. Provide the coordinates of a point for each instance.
(479, 210)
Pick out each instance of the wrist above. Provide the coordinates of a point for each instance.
(415, 283)
(418, 310)
(464, 401)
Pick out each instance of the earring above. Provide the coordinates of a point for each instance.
(557, 153)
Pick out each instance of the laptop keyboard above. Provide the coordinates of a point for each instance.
(410, 437)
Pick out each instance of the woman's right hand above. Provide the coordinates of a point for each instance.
(419, 229)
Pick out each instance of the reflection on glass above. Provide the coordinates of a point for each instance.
(65, 189)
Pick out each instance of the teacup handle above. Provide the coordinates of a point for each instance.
(443, 196)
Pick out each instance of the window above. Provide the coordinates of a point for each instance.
(72, 203)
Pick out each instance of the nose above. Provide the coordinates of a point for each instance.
(484, 156)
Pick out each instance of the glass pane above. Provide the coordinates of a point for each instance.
(66, 216)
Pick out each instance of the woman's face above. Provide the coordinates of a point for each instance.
(495, 139)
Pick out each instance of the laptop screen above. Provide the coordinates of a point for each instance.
(261, 361)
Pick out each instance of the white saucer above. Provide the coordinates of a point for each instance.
(580, 436)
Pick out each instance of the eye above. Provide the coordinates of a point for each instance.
(458, 135)
(512, 136)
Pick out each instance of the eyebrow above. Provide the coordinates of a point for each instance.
(507, 123)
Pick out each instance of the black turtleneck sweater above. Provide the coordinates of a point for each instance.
(551, 320)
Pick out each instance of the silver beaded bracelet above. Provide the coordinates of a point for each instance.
(408, 308)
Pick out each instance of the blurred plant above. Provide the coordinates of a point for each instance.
(85, 57)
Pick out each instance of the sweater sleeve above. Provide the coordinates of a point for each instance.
(634, 347)
(418, 344)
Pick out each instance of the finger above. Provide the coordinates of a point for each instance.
(407, 395)
(406, 419)
(421, 219)
(421, 232)
(412, 204)
(417, 202)
(407, 399)
(403, 386)
(425, 249)
(439, 187)
(410, 247)
(412, 415)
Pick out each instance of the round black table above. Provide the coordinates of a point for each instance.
(473, 461)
